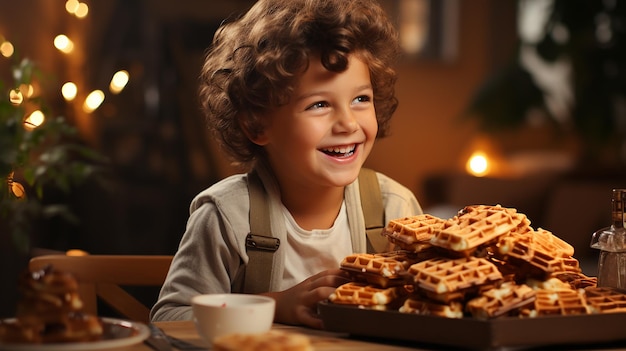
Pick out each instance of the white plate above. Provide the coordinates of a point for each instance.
(117, 333)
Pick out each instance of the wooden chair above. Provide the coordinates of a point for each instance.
(102, 276)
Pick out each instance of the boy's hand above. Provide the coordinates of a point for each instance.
(298, 305)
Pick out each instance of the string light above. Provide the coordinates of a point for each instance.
(77, 8)
(69, 91)
(34, 120)
(16, 97)
(118, 82)
(6, 49)
(16, 188)
(93, 101)
(63, 43)
(71, 6)
(82, 10)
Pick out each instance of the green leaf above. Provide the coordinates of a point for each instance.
(49, 157)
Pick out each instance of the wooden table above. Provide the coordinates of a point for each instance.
(321, 340)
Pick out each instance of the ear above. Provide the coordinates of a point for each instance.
(255, 133)
(259, 138)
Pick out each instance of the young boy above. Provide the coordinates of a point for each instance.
(297, 91)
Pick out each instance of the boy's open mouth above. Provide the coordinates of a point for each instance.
(340, 151)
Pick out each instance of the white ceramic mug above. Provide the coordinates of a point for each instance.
(221, 314)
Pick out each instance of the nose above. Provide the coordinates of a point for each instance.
(346, 122)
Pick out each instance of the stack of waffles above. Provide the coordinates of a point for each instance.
(49, 311)
(485, 262)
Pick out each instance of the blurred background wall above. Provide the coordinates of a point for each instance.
(461, 92)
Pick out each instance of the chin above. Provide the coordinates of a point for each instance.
(343, 178)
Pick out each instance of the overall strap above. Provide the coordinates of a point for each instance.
(373, 212)
(260, 244)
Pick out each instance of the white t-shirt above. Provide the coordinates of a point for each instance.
(322, 248)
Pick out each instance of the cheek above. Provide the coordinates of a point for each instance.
(370, 127)
(311, 131)
(301, 136)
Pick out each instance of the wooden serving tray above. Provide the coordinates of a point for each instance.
(471, 333)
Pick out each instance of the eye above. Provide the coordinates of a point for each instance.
(318, 105)
(362, 98)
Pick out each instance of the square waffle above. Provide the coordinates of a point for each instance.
(413, 233)
(443, 275)
(361, 294)
(541, 250)
(474, 226)
(605, 300)
(422, 306)
(501, 300)
(558, 302)
(381, 269)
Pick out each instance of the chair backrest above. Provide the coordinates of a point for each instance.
(102, 276)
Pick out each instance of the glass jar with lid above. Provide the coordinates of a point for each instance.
(611, 241)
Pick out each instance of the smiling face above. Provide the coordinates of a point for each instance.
(321, 138)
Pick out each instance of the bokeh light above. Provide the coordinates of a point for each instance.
(63, 43)
(34, 120)
(28, 90)
(478, 164)
(71, 6)
(82, 10)
(69, 91)
(16, 97)
(93, 101)
(119, 81)
(6, 49)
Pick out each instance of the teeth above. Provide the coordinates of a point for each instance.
(340, 150)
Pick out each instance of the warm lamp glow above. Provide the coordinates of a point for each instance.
(6, 49)
(93, 101)
(69, 91)
(76, 252)
(484, 158)
(63, 43)
(34, 120)
(118, 82)
(478, 164)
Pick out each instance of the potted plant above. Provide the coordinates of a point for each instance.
(39, 154)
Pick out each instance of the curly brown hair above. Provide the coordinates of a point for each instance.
(254, 60)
